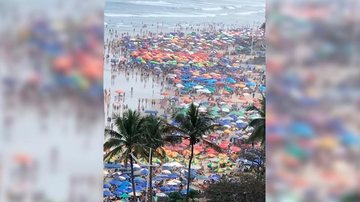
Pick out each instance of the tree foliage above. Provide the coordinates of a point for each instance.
(246, 187)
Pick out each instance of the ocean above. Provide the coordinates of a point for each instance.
(124, 15)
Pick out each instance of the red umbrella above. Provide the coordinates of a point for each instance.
(235, 149)
(211, 151)
(223, 146)
(119, 91)
(177, 81)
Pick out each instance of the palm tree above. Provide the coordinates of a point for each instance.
(154, 140)
(259, 125)
(192, 125)
(126, 140)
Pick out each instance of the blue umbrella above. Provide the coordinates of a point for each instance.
(173, 176)
(241, 125)
(349, 139)
(262, 88)
(250, 84)
(108, 193)
(230, 80)
(302, 129)
(125, 175)
(144, 171)
(161, 176)
(107, 186)
(118, 192)
(124, 190)
(165, 188)
(115, 182)
(125, 183)
(139, 180)
(151, 111)
(112, 165)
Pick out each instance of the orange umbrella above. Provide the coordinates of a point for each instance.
(92, 67)
(22, 158)
(64, 63)
(164, 93)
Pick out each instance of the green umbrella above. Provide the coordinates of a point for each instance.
(237, 113)
(124, 195)
(216, 108)
(227, 88)
(154, 62)
(211, 89)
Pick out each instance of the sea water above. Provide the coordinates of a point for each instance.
(125, 15)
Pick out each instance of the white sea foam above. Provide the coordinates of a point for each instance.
(119, 15)
(231, 7)
(249, 12)
(152, 3)
(167, 15)
(212, 9)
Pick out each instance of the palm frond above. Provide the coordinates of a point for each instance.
(174, 139)
(212, 145)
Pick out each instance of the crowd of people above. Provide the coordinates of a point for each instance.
(220, 71)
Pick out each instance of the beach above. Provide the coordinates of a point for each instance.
(222, 71)
(161, 56)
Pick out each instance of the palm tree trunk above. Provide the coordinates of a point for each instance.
(188, 177)
(132, 177)
(150, 179)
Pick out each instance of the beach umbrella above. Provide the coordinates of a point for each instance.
(151, 111)
(144, 171)
(216, 108)
(167, 172)
(171, 183)
(122, 178)
(115, 182)
(262, 88)
(165, 188)
(250, 84)
(230, 80)
(165, 93)
(173, 165)
(108, 193)
(124, 195)
(302, 129)
(225, 109)
(125, 183)
(179, 85)
(106, 185)
(119, 91)
(241, 125)
(235, 149)
(172, 176)
(139, 180)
